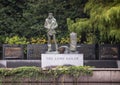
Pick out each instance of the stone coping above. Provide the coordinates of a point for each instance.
(105, 69)
(94, 69)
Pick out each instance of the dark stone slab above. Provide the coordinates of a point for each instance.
(37, 63)
(13, 51)
(19, 63)
(87, 50)
(34, 51)
(101, 63)
(108, 52)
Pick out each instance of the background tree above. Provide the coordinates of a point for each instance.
(26, 17)
(102, 25)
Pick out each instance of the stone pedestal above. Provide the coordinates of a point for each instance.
(53, 60)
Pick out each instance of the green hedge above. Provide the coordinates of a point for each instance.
(38, 73)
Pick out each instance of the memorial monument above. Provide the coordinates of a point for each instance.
(63, 55)
(50, 25)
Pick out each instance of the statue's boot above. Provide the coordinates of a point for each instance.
(49, 47)
(56, 47)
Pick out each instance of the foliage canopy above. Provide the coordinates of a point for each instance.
(26, 17)
(95, 21)
(102, 25)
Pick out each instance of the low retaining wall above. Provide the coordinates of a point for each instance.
(100, 75)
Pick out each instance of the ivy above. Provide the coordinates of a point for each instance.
(38, 73)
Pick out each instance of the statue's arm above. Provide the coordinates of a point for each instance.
(45, 24)
(55, 24)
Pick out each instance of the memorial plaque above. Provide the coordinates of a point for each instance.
(52, 60)
(12, 51)
(108, 52)
(87, 50)
(34, 51)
